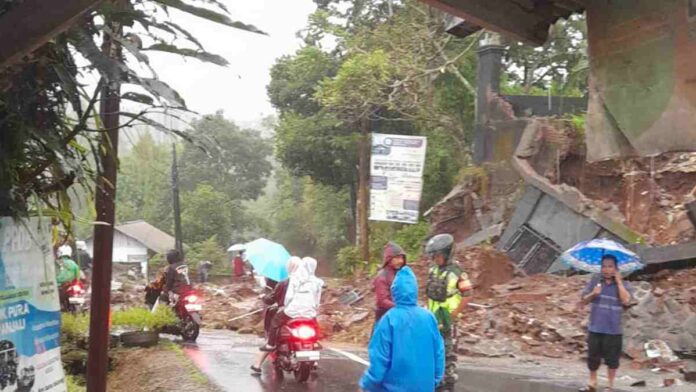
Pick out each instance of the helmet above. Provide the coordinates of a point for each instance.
(440, 244)
(173, 256)
(81, 245)
(65, 251)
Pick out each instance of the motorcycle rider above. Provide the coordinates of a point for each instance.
(67, 272)
(449, 291)
(301, 298)
(177, 280)
(84, 260)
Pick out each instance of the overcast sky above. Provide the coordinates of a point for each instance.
(240, 88)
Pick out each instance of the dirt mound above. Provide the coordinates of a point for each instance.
(486, 267)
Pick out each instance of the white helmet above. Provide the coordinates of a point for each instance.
(65, 251)
(81, 245)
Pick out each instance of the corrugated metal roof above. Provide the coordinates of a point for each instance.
(150, 236)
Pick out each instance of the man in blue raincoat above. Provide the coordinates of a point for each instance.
(407, 353)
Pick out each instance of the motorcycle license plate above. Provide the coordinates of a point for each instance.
(303, 356)
(76, 301)
(194, 307)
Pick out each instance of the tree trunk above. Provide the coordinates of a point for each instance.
(97, 363)
(351, 220)
(363, 189)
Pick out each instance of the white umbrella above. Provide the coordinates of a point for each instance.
(236, 248)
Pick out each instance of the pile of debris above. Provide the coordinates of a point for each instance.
(541, 315)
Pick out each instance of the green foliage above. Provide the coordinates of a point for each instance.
(411, 238)
(209, 250)
(559, 65)
(74, 326)
(294, 80)
(309, 218)
(360, 86)
(348, 260)
(232, 160)
(144, 319)
(316, 146)
(51, 133)
(74, 383)
(205, 213)
(145, 184)
(77, 325)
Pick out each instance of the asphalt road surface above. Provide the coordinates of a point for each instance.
(225, 357)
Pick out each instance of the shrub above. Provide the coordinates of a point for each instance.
(348, 260)
(141, 318)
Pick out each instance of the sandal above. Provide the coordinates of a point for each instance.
(267, 348)
(588, 388)
(255, 369)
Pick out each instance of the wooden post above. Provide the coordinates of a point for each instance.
(98, 355)
(363, 189)
(175, 200)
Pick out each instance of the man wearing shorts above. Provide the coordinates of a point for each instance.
(608, 294)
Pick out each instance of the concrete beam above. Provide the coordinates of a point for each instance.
(502, 16)
(664, 254)
(32, 23)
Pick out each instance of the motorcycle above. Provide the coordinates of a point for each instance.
(75, 297)
(188, 308)
(298, 349)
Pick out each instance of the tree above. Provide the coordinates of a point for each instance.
(144, 184)
(560, 64)
(207, 212)
(231, 160)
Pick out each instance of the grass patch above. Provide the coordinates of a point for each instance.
(74, 385)
(195, 373)
(77, 325)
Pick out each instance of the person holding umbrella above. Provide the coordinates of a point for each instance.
(607, 294)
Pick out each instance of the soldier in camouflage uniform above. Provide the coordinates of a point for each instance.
(448, 291)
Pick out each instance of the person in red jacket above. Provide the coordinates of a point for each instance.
(394, 258)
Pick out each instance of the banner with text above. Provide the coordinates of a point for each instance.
(29, 309)
(396, 177)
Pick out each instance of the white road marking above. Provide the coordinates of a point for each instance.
(350, 356)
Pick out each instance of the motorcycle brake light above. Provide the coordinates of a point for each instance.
(76, 288)
(304, 332)
(192, 298)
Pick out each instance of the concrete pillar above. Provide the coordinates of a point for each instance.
(490, 64)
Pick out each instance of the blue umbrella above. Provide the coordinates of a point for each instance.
(270, 259)
(587, 256)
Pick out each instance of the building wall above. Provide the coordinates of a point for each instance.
(126, 250)
(643, 77)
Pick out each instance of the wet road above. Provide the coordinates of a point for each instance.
(225, 358)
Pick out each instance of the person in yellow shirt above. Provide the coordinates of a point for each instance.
(449, 291)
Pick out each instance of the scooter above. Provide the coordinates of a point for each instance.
(76, 297)
(188, 308)
(298, 349)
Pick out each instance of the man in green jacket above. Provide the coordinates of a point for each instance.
(67, 271)
(448, 291)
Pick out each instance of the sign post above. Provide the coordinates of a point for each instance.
(396, 177)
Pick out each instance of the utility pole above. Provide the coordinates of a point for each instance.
(175, 200)
(98, 355)
(363, 189)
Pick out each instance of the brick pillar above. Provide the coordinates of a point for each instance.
(490, 64)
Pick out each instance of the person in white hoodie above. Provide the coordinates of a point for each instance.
(301, 299)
